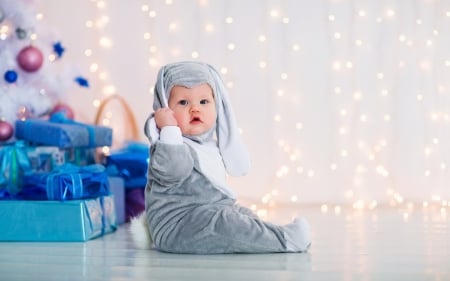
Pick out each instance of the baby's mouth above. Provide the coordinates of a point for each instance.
(196, 120)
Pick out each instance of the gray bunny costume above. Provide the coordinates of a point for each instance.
(189, 207)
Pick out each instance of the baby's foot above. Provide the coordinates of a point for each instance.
(298, 235)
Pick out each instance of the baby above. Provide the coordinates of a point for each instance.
(195, 143)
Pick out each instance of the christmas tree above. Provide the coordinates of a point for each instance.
(33, 82)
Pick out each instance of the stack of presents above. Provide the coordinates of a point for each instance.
(54, 187)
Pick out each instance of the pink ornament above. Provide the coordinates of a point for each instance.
(30, 59)
(6, 131)
(64, 109)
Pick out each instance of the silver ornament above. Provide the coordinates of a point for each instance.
(21, 33)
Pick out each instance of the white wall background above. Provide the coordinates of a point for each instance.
(338, 101)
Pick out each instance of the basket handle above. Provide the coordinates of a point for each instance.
(128, 111)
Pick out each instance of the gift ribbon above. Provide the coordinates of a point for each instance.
(72, 183)
(67, 182)
(104, 215)
(14, 163)
(101, 211)
(108, 214)
(70, 178)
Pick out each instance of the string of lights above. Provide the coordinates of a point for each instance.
(341, 103)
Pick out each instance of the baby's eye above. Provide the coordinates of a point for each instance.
(183, 102)
(204, 101)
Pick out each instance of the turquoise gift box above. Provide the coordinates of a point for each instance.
(70, 221)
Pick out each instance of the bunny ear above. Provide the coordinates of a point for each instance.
(234, 154)
(159, 101)
(151, 130)
(162, 88)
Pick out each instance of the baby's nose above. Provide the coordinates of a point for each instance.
(195, 108)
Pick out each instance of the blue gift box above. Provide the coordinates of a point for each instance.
(64, 135)
(74, 220)
(117, 189)
(67, 182)
(130, 163)
(48, 158)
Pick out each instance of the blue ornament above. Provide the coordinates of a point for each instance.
(58, 49)
(10, 76)
(82, 81)
(59, 117)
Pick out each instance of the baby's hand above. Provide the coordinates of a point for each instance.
(165, 117)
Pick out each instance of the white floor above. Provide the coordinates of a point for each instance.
(383, 244)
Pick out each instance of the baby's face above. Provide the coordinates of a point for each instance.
(194, 108)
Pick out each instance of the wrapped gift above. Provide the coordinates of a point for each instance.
(134, 202)
(74, 220)
(48, 158)
(130, 163)
(64, 135)
(14, 164)
(67, 182)
(118, 190)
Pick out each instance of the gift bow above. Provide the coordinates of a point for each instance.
(68, 182)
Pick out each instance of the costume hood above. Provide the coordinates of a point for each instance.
(190, 74)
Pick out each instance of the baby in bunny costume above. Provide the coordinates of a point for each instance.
(195, 143)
